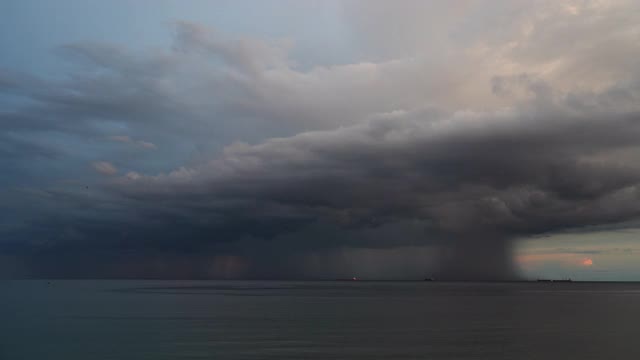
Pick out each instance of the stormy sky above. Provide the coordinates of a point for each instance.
(320, 139)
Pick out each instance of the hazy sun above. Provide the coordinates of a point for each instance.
(587, 262)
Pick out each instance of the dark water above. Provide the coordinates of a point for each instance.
(317, 320)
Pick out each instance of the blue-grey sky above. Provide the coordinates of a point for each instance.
(319, 139)
(32, 29)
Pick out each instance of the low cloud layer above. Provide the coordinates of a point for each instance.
(471, 181)
(450, 146)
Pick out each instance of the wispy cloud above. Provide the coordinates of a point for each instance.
(104, 168)
(128, 140)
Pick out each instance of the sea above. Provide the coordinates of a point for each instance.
(136, 319)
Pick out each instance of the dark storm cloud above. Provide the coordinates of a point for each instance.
(476, 180)
(353, 160)
(464, 181)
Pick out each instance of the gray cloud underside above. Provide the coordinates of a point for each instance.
(469, 180)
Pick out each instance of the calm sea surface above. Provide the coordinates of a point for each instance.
(317, 320)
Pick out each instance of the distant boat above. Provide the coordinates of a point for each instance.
(558, 280)
(544, 280)
(429, 279)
